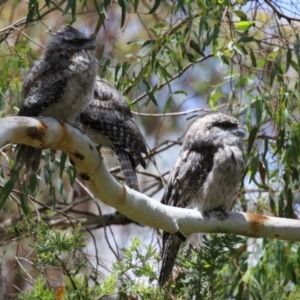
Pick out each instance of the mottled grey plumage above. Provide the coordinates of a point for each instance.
(108, 122)
(205, 176)
(60, 84)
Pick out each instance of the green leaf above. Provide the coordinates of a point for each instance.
(245, 39)
(135, 5)
(258, 111)
(167, 105)
(159, 25)
(215, 38)
(240, 48)
(244, 25)
(288, 58)
(242, 82)
(147, 87)
(155, 6)
(241, 15)
(196, 47)
(8, 187)
(71, 4)
(138, 41)
(124, 5)
(181, 92)
(253, 58)
(33, 8)
(253, 167)
(295, 65)
(276, 69)
(297, 48)
(252, 137)
(24, 198)
(72, 175)
(105, 67)
(146, 48)
(223, 58)
(203, 6)
(63, 159)
(33, 183)
(61, 188)
(214, 99)
(102, 16)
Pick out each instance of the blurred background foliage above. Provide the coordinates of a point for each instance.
(172, 60)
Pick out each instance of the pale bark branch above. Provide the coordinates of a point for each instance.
(50, 133)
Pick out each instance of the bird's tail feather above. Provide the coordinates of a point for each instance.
(28, 156)
(169, 253)
(128, 168)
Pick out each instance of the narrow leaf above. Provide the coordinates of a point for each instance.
(273, 74)
(63, 159)
(71, 4)
(123, 4)
(33, 183)
(253, 58)
(135, 5)
(259, 111)
(245, 39)
(288, 58)
(241, 15)
(23, 199)
(8, 187)
(196, 47)
(155, 6)
(252, 137)
(167, 105)
(146, 48)
(244, 25)
(262, 172)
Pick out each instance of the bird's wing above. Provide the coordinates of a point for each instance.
(43, 85)
(109, 114)
(188, 175)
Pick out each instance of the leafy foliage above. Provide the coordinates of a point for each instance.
(202, 270)
(39, 291)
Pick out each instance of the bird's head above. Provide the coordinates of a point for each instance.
(215, 128)
(222, 122)
(69, 40)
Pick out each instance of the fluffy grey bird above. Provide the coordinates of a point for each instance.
(60, 84)
(108, 122)
(205, 176)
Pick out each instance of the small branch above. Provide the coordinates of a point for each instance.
(181, 113)
(5, 32)
(279, 14)
(173, 78)
(50, 133)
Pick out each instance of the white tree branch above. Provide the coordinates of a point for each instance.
(50, 133)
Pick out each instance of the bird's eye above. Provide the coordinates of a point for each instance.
(225, 125)
(73, 41)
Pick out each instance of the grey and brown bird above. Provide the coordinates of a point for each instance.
(205, 176)
(108, 122)
(60, 84)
